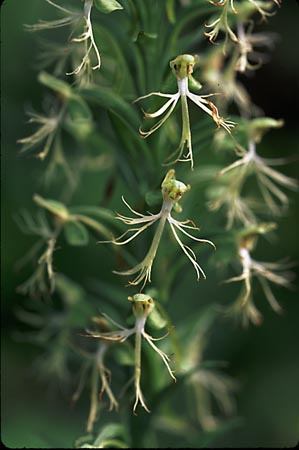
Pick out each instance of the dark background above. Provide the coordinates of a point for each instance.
(265, 360)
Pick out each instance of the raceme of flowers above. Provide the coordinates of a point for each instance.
(233, 20)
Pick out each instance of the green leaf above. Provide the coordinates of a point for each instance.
(108, 99)
(79, 121)
(157, 320)
(79, 109)
(110, 431)
(143, 36)
(118, 73)
(55, 84)
(107, 6)
(153, 198)
(71, 292)
(79, 308)
(170, 10)
(94, 225)
(96, 211)
(56, 208)
(124, 355)
(75, 233)
(98, 214)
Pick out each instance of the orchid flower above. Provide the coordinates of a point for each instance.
(88, 38)
(182, 67)
(250, 161)
(142, 306)
(249, 58)
(74, 18)
(222, 23)
(265, 272)
(219, 74)
(98, 372)
(172, 191)
(71, 18)
(44, 135)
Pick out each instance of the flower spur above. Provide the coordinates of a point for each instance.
(172, 190)
(142, 306)
(182, 67)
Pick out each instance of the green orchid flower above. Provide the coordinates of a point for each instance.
(182, 67)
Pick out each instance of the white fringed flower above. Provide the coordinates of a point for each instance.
(88, 39)
(268, 179)
(265, 272)
(182, 67)
(172, 191)
(142, 306)
(248, 43)
(74, 18)
(223, 23)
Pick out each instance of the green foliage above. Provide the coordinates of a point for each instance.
(107, 6)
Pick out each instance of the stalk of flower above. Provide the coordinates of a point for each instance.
(182, 67)
(172, 191)
(267, 178)
(142, 306)
(265, 272)
(98, 370)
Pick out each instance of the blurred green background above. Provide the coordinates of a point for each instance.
(265, 360)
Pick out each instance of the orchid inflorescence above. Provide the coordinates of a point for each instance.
(220, 70)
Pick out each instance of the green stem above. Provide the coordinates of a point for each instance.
(186, 133)
(137, 360)
(158, 234)
(93, 398)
